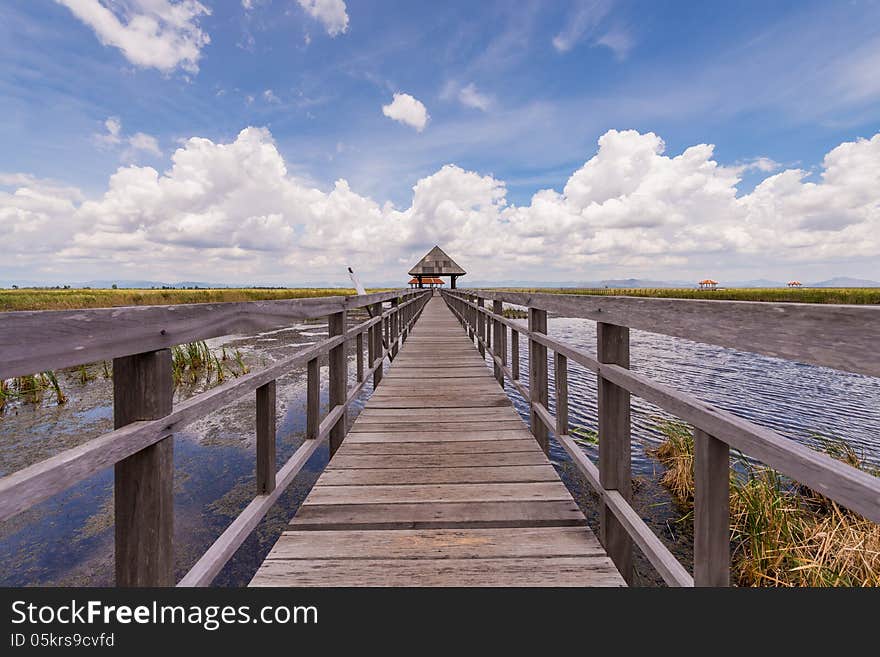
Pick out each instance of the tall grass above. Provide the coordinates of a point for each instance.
(61, 299)
(851, 295)
(193, 360)
(782, 533)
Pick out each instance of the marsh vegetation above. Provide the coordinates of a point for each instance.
(782, 533)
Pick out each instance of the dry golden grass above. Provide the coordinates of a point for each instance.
(782, 534)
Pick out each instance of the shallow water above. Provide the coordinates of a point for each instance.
(68, 540)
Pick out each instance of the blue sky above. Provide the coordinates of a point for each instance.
(519, 92)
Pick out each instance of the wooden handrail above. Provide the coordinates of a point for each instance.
(39, 340)
(842, 337)
(33, 484)
(716, 430)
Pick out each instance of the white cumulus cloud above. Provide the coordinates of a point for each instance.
(406, 109)
(332, 14)
(160, 34)
(233, 212)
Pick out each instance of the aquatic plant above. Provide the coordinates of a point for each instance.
(782, 533)
(584, 435)
(239, 360)
(60, 397)
(107, 371)
(84, 375)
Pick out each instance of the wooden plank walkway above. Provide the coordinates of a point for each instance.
(439, 483)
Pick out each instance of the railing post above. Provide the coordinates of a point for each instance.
(560, 375)
(313, 398)
(359, 345)
(377, 346)
(266, 438)
(143, 484)
(538, 377)
(711, 511)
(481, 331)
(614, 444)
(338, 373)
(471, 318)
(498, 308)
(394, 327)
(514, 353)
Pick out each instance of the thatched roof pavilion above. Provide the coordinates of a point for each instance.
(436, 263)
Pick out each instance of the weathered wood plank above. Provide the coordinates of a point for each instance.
(438, 543)
(460, 475)
(473, 426)
(494, 447)
(445, 436)
(438, 516)
(437, 493)
(533, 571)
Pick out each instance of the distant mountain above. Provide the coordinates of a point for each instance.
(845, 281)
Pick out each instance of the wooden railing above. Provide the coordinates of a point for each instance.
(138, 340)
(840, 337)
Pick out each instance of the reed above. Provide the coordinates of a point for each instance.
(68, 299)
(60, 397)
(782, 533)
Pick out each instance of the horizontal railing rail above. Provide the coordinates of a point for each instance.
(816, 333)
(140, 447)
(33, 341)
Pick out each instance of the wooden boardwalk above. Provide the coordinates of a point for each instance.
(439, 483)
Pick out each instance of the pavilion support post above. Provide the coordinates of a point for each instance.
(497, 327)
(614, 445)
(338, 373)
(538, 377)
(144, 482)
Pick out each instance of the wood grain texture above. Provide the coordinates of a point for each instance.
(34, 341)
(614, 444)
(437, 544)
(711, 511)
(143, 483)
(538, 392)
(438, 448)
(338, 377)
(265, 420)
(837, 336)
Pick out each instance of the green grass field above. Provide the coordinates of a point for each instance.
(70, 299)
(854, 295)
